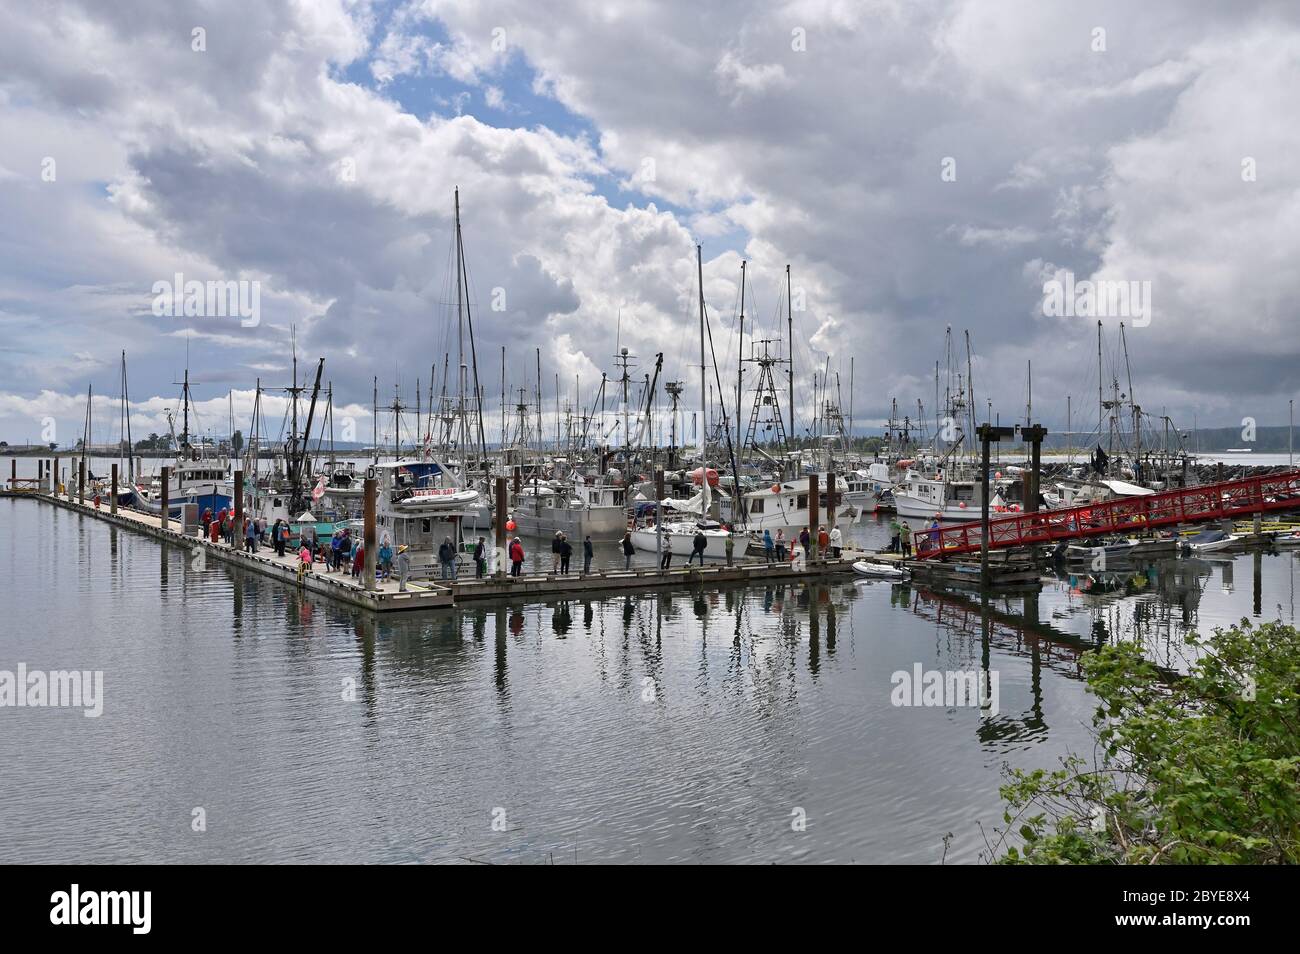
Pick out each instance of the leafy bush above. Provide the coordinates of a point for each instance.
(1199, 769)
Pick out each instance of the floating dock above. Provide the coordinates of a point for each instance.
(386, 596)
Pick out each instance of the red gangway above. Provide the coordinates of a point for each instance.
(1124, 515)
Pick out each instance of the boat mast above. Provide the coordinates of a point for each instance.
(704, 392)
(462, 282)
(126, 427)
(789, 325)
(740, 350)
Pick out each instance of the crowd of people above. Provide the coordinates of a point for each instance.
(828, 543)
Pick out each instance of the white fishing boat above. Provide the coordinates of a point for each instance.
(420, 504)
(950, 498)
(784, 505)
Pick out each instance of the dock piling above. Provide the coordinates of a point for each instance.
(368, 538)
(500, 528)
(165, 475)
(814, 509)
(239, 506)
(54, 477)
(13, 474)
(112, 501)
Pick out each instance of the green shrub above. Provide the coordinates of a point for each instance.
(1202, 769)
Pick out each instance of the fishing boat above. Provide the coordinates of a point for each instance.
(194, 477)
(784, 505)
(880, 571)
(419, 504)
(581, 508)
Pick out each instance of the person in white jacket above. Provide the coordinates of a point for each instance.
(837, 542)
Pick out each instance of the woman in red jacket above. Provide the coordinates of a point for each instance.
(516, 556)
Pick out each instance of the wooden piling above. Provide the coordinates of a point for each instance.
(112, 501)
(13, 474)
(81, 481)
(659, 515)
(368, 538)
(166, 479)
(54, 477)
(814, 509)
(832, 501)
(501, 527)
(239, 507)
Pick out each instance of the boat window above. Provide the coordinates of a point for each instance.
(802, 502)
(426, 525)
(756, 506)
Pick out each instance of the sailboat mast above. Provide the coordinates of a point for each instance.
(740, 351)
(704, 394)
(789, 326)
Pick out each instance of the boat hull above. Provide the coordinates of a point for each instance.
(576, 523)
(683, 541)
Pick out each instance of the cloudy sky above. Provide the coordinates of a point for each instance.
(918, 164)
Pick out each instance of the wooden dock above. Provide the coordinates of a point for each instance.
(421, 594)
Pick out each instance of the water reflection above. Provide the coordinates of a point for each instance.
(677, 725)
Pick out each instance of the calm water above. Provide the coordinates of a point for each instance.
(683, 726)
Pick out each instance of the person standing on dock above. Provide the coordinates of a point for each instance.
(628, 549)
(516, 556)
(905, 539)
(836, 542)
(934, 533)
(805, 538)
(304, 561)
(358, 559)
(823, 542)
(729, 546)
(447, 558)
(403, 568)
(587, 554)
(385, 558)
(697, 548)
(480, 558)
(780, 546)
(555, 551)
(668, 551)
(250, 535)
(336, 551)
(279, 536)
(206, 520)
(566, 551)
(769, 548)
(895, 530)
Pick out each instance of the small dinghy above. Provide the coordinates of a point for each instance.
(1207, 541)
(1112, 550)
(879, 571)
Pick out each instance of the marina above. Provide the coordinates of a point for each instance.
(666, 434)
